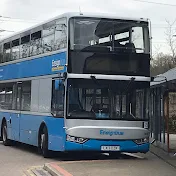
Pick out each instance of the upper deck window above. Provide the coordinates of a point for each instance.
(108, 46)
(36, 44)
(25, 46)
(48, 36)
(7, 52)
(61, 34)
(15, 49)
(90, 34)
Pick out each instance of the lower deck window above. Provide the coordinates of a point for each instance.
(26, 96)
(16, 96)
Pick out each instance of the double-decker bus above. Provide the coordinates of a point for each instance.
(78, 82)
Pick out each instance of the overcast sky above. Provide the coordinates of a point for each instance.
(25, 13)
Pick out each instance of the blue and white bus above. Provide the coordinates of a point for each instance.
(78, 82)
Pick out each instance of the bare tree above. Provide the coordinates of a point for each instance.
(161, 63)
(171, 39)
(156, 50)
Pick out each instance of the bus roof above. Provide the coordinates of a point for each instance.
(102, 15)
(74, 14)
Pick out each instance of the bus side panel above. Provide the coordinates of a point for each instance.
(29, 126)
(15, 126)
(50, 65)
(56, 134)
(7, 116)
(29, 129)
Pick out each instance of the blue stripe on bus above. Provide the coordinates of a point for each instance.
(24, 128)
(36, 67)
(95, 145)
(28, 127)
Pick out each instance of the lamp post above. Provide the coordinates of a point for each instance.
(4, 30)
(4, 16)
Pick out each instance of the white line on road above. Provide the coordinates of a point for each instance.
(133, 155)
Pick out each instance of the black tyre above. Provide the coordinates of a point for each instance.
(43, 144)
(5, 139)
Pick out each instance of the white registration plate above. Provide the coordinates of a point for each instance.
(110, 148)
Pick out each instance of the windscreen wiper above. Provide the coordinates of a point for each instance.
(129, 84)
(94, 79)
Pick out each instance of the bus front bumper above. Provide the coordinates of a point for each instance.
(108, 146)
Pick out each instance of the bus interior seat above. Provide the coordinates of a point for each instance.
(74, 107)
(97, 107)
(131, 47)
(76, 111)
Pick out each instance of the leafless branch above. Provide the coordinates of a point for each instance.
(171, 38)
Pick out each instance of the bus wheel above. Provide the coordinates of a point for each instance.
(5, 139)
(44, 143)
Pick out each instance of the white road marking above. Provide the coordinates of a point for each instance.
(133, 155)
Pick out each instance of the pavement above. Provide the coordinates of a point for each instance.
(141, 166)
(126, 164)
(14, 160)
(169, 158)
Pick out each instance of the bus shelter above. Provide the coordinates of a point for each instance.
(162, 111)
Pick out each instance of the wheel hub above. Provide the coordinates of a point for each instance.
(4, 134)
(42, 141)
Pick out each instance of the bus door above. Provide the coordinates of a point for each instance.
(15, 117)
(58, 106)
(58, 98)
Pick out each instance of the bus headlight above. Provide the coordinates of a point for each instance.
(141, 141)
(79, 140)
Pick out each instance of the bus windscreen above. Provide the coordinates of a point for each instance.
(106, 46)
(91, 34)
(99, 99)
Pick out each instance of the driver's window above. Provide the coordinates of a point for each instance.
(58, 98)
(137, 39)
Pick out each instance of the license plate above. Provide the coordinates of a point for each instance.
(110, 148)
